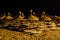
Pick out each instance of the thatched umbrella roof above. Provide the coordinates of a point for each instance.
(9, 17)
(3, 16)
(21, 16)
(32, 17)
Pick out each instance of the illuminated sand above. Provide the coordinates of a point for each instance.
(33, 28)
(6, 34)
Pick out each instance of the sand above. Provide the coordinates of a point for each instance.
(6, 34)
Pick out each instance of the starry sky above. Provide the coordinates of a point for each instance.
(49, 6)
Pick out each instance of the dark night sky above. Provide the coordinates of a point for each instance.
(51, 7)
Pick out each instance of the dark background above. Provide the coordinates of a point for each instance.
(49, 6)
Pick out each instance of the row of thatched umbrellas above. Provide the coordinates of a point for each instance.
(31, 17)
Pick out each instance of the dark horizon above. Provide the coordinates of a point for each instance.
(50, 7)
